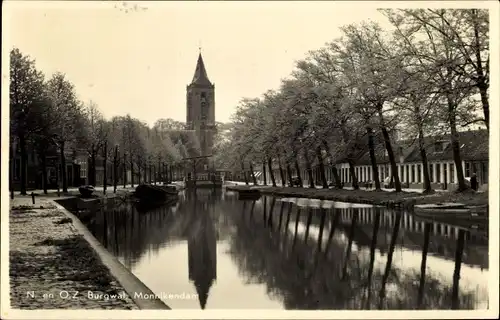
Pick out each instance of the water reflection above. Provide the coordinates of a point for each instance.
(278, 253)
(202, 248)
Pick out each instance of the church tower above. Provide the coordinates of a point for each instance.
(200, 102)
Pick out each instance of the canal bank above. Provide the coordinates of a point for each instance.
(385, 198)
(56, 263)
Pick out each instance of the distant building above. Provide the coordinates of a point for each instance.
(200, 113)
(34, 169)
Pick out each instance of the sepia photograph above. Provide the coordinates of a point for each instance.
(249, 159)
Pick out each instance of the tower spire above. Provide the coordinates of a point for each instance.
(200, 73)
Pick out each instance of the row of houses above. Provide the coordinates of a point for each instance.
(77, 170)
(443, 174)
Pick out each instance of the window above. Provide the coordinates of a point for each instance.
(431, 172)
(83, 169)
(407, 173)
(452, 173)
(438, 172)
(419, 173)
(413, 173)
(467, 169)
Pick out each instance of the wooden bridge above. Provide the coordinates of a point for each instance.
(206, 179)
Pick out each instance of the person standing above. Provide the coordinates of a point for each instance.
(473, 182)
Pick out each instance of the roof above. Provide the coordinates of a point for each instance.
(473, 146)
(200, 74)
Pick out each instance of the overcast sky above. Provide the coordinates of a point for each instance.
(139, 62)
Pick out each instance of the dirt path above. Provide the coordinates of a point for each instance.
(52, 266)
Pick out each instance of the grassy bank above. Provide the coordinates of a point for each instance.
(386, 198)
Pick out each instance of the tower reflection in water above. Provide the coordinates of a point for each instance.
(202, 245)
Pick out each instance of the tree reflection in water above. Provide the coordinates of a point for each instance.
(306, 278)
(310, 258)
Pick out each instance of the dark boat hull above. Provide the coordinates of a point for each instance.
(151, 193)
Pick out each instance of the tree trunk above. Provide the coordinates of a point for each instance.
(282, 174)
(264, 176)
(425, 162)
(336, 177)
(309, 170)
(159, 169)
(299, 176)
(455, 145)
(150, 173)
(423, 265)
(43, 158)
(58, 176)
(139, 177)
(155, 174)
(321, 167)
(354, 179)
(63, 168)
(131, 172)
(244, 173)
(271, 173)
(92, 169)
(124, 170)
(481, 81)
(373, 159)
(484, 100)
(392, 159)
(24, 164)
(89, 170)
(289, 173)
(105, 168)
(164, 173)
(253, 174)
(388, 265)
(115, 170)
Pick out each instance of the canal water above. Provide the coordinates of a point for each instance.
(210, 250)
